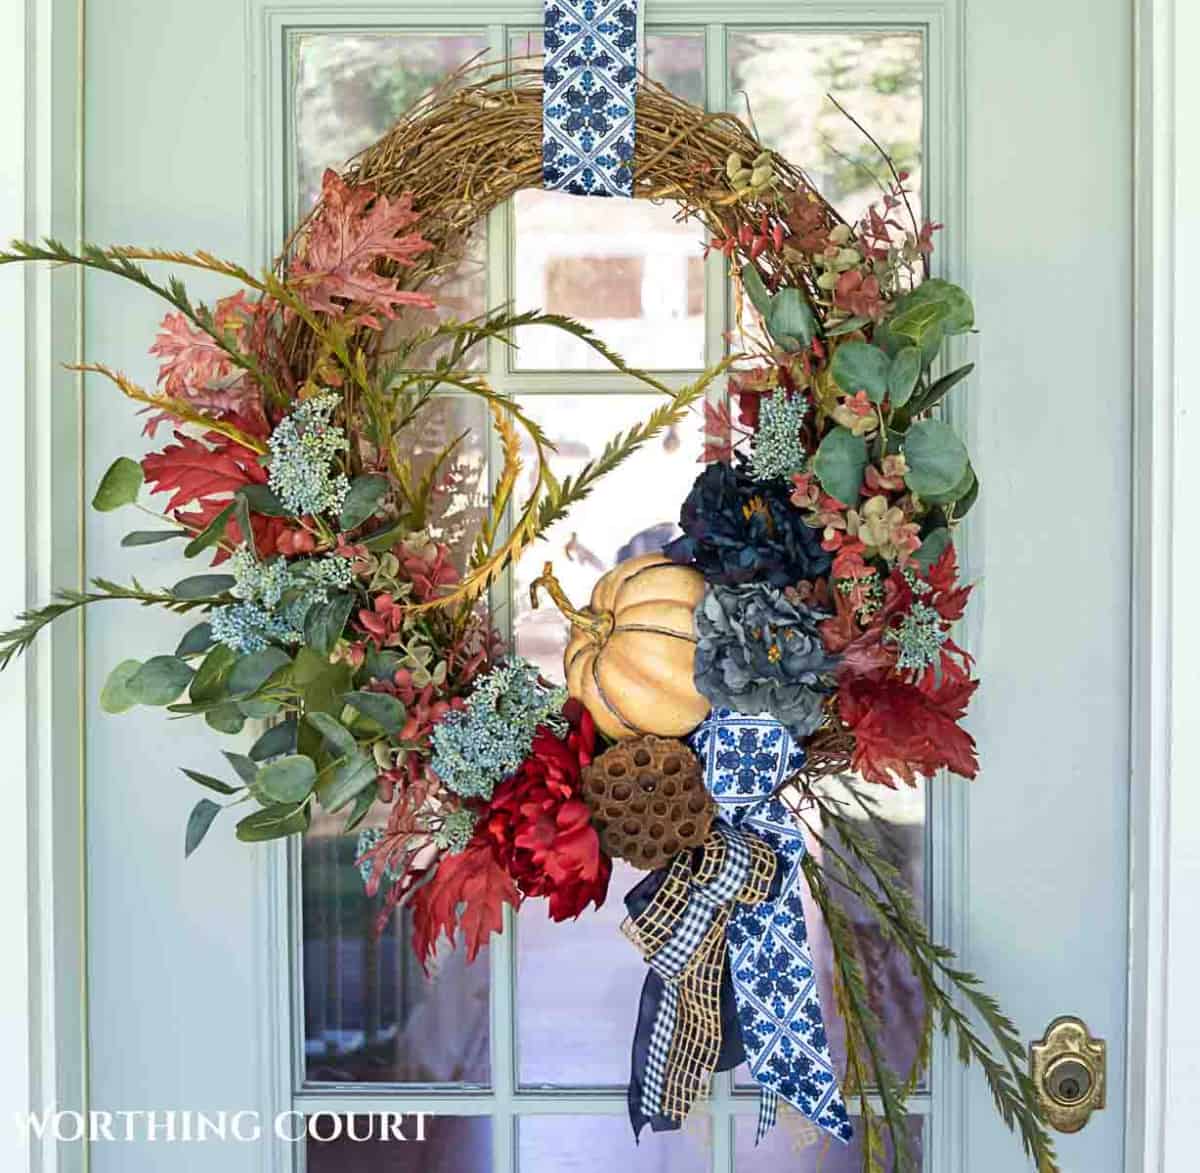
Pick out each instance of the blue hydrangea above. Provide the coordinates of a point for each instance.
(479, 746)
(778, 448)
(304, 449)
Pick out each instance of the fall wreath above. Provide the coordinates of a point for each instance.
(799, 629)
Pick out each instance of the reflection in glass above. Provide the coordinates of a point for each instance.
(452, 1144)
(348, 89)
(877, 76)
(600, 1144)
(625, 267)
(371, 1014)
(633, 512)
(796, 1146)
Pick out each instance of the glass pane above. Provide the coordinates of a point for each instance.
(348, 89)
(625, 267)
(558, 1043)
(371, 1014)
(893, 990)
(599, 1144)
(619, 520)
(877, 76)
(795, 1145)
(451, 1144)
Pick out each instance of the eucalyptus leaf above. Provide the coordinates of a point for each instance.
(340, 739)
(211, 534)
(159, 681)
(196, 640)
(362, 805)
(790, 319)
(115, 696)
(859, 366)
(931, 549)
(287, 779)
(381, 664)
(150, 537)
(362, 500)
(119, 486)
(207, 780)
(960, 490)
(940, 389)
(279, 739)
(903, 375)
(274, 822)
(262, 500)
(351, 776)
(325, 622)
(198, 824)
(324, 693)
(936, 458)
(258, 709)
(245, 769)
(756, 291)
(847, 327)
(225, 718)
(956, 314)
(383, 540)
(963, 505)
(386, 711)
(251, 672)
(839, 465)
(199, 586)
(212, 677)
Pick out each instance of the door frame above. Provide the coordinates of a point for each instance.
(43, 989)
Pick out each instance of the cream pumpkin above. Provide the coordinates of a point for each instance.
(630, 654)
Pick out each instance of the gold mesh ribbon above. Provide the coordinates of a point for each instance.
(696, 1040)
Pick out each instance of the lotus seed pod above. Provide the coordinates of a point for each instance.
(733, 164)
(849, 257)
(761, 176)
(840, 233)
(742, 178)
(762, 159)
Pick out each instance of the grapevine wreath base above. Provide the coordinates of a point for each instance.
(798, 632)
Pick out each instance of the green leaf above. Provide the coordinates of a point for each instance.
(279, 739)
(323, 693)
(963, 505)
(847, 327)
(115, 696)
(199, 586)
(195, 640)
(325, 622)
(245, 769)
(381, 664)
(903, 375)
(352, 775)
(859, 366)
(159, 681)
(274, 822)
(262, 500)
(956, 314)
(259, 709)
(756, 291)
(960, 490)
(198, 824)
(287, 779)
(383, 540)
(790, 319)
(212, 677)
(362, 500)
(251, 672)
(362, 804)
(119, 486)
(386, 711)
(149, 537)
(225, 718)
(939, 390)
(209, 781)
(936, 458)
(212, 533)
(930, 550)
(340, 739)
(840, 463)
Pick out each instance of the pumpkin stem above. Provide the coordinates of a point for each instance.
(599, 627)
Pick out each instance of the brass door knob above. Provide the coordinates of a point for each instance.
(1068, 1066)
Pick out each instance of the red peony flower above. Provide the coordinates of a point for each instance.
(540, 828)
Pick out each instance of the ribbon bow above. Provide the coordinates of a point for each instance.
(746, 760)
(681, 932)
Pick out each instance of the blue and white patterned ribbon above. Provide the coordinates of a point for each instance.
(590, 89)
(745, 760)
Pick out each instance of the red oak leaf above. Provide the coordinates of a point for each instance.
(468, 892)
(355, 227)
(718, 433)
(901, 731)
